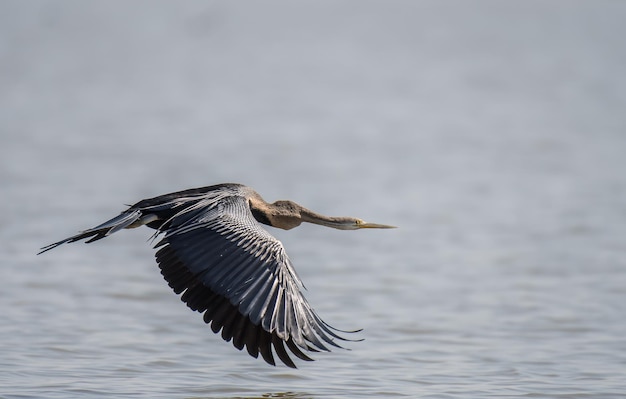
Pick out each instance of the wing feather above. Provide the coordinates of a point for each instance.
(250, 337)
(265, 347)
(240, 326)
(227, 266)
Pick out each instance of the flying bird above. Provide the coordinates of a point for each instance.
(215, 253)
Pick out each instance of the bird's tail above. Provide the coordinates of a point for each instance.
(121, 221)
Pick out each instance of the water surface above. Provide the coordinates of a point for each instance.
(492, 134)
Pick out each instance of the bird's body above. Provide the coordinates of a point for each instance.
(216, 254)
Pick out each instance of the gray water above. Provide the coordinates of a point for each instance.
(492, 133)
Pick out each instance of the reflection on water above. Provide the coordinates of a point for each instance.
(492, 136)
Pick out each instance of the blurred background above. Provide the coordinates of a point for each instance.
(493, 134)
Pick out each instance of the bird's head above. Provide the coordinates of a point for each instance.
(288, 214)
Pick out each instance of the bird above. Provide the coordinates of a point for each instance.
(215, 254)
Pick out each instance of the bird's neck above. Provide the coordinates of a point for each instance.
(281, 214)
(287, 215)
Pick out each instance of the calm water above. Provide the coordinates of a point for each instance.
(493, 134)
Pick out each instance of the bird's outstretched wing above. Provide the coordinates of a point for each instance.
(228, 267)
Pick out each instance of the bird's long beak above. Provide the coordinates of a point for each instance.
(341, 222)
(366, 225)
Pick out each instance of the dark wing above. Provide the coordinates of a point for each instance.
(232, 270)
